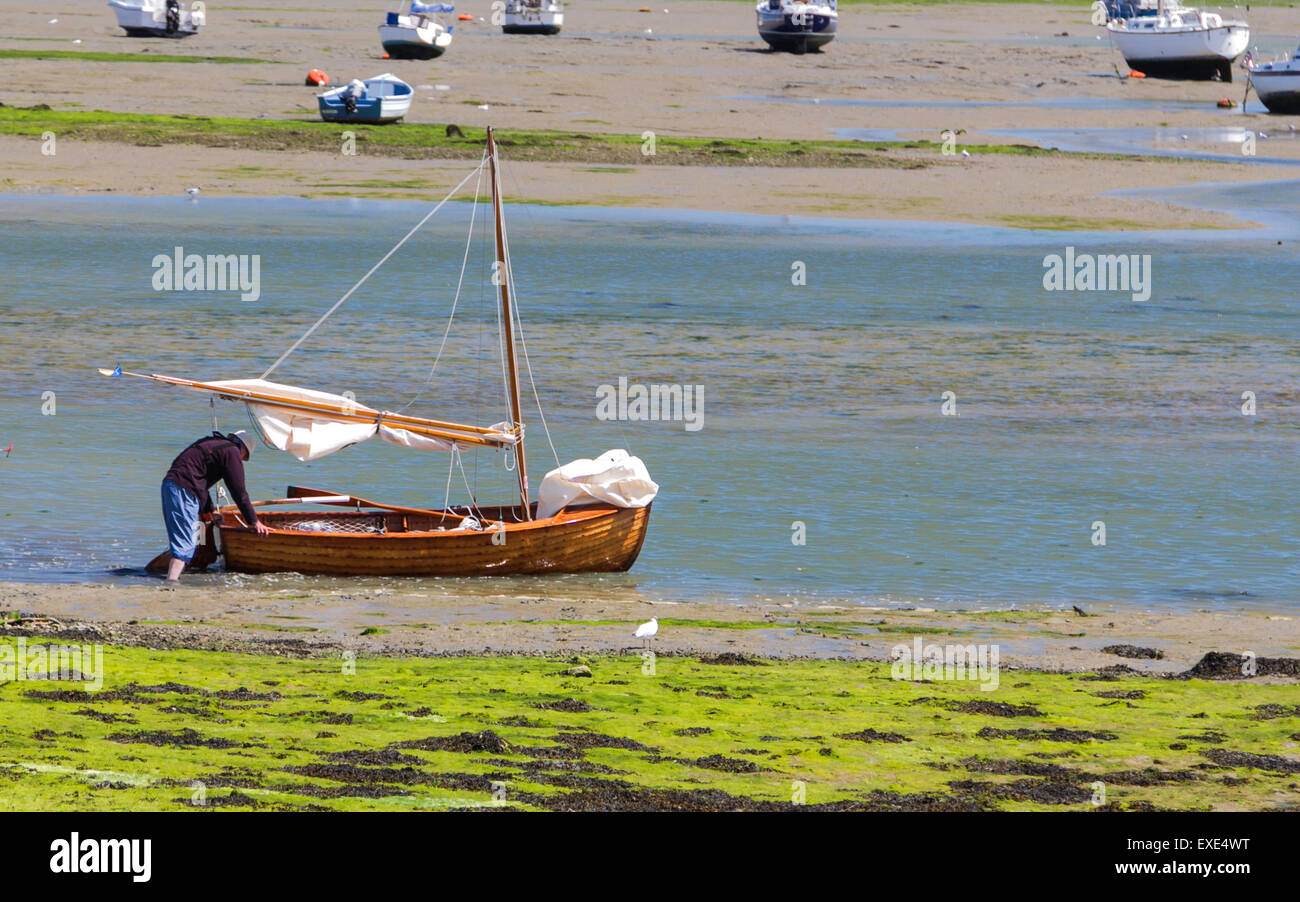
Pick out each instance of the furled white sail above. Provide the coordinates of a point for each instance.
(615, 477)
(308, 434)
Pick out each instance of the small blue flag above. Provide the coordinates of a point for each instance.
(118, 371)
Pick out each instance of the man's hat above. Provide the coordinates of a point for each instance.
(246, 440)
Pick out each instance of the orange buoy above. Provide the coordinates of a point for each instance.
(317, 77)
(644, 9)
(1133, 73)
(1226, 103)
(385, 56)
(465, 18)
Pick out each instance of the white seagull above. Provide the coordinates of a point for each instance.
(193, 193)
(647, 630)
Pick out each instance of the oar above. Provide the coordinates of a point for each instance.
(307, 496)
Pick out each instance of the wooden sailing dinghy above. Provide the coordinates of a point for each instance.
(591, 515)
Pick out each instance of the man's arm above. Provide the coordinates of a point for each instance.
(233, 475)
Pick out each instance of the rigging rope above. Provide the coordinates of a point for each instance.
(469, 240)
(361, 281)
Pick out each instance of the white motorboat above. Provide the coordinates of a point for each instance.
(157, 18)
(532, 17)
(1174, 41)
(417, 34)
(1278, 84)
(796, 25)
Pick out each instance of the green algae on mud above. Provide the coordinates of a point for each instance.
(94, 56)
(179, 729)
(415, 140)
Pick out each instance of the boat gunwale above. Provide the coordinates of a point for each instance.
(566, 516)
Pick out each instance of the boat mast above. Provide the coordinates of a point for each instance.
(512, 365)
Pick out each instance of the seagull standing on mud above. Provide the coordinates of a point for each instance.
(647, 630)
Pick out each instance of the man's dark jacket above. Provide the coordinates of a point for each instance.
(217, 457)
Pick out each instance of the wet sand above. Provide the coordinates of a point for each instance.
(688, 77)
(401, 622)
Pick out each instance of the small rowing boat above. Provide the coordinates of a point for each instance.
(384, 98)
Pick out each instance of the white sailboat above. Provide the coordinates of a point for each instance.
(416, 34)
(157, 18)
(532, 17)
(1175, 41)
(796, 25)
(1278, 84)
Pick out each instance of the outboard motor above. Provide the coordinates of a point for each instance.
(354, 91)
(173, 16)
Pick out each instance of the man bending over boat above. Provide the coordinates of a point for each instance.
(185, 492)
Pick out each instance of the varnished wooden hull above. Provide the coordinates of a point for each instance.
(585, 540)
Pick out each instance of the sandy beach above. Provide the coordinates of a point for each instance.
(422, 622)
(696, 70)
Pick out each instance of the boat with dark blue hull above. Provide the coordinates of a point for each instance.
(416, 34)
(797, 26)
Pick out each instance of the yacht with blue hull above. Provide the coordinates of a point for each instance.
(797, 26)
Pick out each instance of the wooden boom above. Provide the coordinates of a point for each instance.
(476, 435)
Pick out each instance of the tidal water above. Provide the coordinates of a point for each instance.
(823, 402)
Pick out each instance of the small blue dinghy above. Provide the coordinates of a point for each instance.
(384, 98)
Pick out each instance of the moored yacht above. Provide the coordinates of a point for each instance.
(417, 34)
(1175, 41)
(157, 18)
(796, 25)
(1278, 84)
(532, 17)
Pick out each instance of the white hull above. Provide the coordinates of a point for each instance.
(149, 19)
(1278, 89)
(797, 27)
(414, 39)
(532, 20)
(1202, 47)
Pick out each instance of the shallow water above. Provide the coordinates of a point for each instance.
(1064, 103)
(1178, 143)
(822, 402)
